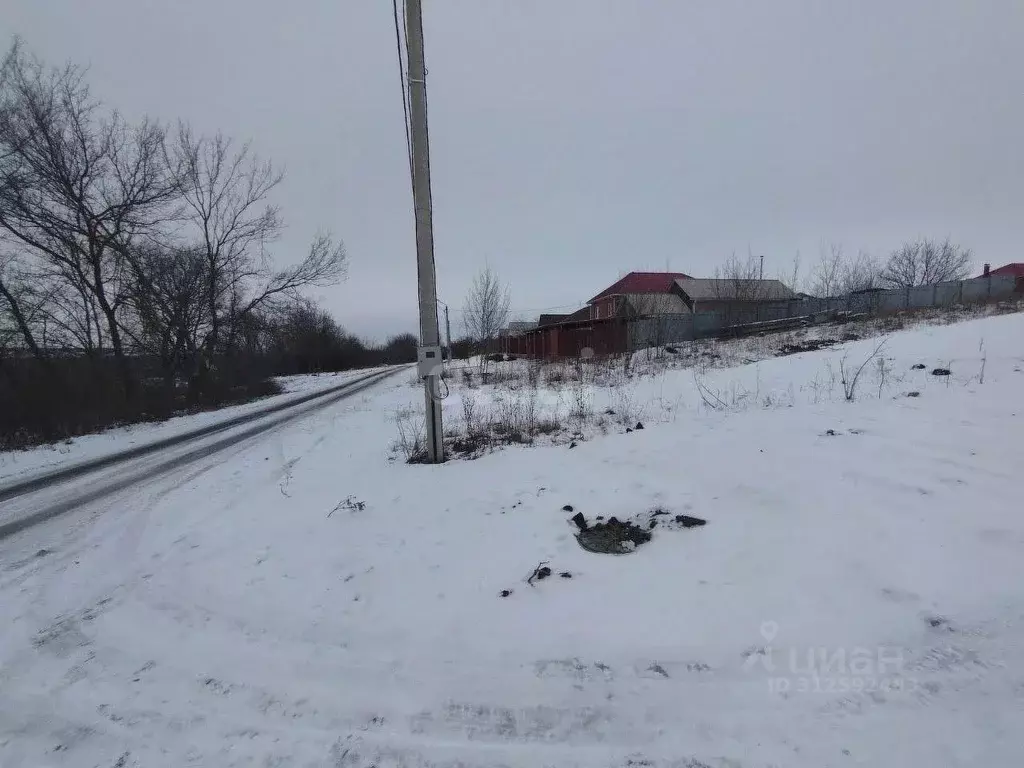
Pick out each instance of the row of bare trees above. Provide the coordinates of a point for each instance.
(307, 339)
(126, 242)
(838, 273)
(739, 281)
(915, 263)
(834, 274)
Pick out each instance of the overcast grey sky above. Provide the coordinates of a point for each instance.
(575, 140)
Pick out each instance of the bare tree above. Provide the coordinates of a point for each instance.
(167, 298)
(859, 274)
(308, 339)
(226, 190)
(793, 278)
(827, 274)
(836, 274)
(740, 279)
(67, 311)
(112, 240)
(926, 262)
(486, 308)
(649, 314)
(15, 318)
(325, 264)
(77, 186)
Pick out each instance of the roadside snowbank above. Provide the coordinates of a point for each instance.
(14, 464)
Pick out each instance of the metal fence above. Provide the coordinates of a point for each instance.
(664, 329)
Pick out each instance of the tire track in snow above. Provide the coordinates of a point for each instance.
(123, 479)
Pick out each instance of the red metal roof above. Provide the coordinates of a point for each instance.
(642, 282)
(1016, 269)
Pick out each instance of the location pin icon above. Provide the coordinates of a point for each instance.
(769, 629)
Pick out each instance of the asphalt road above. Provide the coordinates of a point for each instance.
(43, 497)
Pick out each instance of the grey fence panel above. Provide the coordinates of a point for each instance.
(947, 294)
(803, 307)
(775, 311)
(859, 303)
(706, 324)
(660, 329)
(976, 290)
(666, 329)
(674, 328)
(892, 301)
(919, 298)
(743, 316)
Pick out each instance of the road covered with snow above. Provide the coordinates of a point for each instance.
(302, 599)
(15, 465)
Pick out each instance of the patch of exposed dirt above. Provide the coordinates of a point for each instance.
(617, 537)
(810, 345)
(612, 537)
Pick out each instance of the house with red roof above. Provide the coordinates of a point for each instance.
(1015, 269)
(602, 326)
(654, 292)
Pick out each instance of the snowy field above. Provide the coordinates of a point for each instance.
(308, 600)
(16, 464)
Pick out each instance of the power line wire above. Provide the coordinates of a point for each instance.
(531, 309)
(401, 81)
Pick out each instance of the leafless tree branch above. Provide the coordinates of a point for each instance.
(926, 262)
(486, 308)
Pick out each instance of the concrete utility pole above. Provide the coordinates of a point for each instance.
(762, 268)
(430, 343)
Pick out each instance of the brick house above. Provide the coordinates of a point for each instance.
(638, 291)
(645, 308)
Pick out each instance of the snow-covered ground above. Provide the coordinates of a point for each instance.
(16, 464)
(854, 599)
(560, 403)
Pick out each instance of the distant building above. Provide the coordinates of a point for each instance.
(518, 328)
(551, 319)
(867, 291)
(642, 306)
(1013, 269)
(1016, 269)
(638, 293)
(717, 295)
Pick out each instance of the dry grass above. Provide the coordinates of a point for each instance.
(522, 402)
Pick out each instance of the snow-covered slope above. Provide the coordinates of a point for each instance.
(854, 599)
